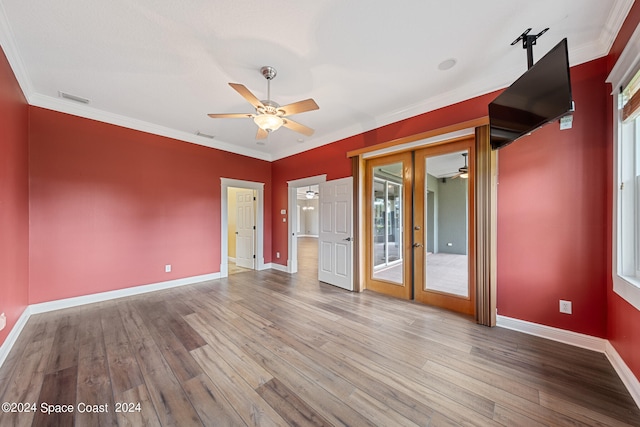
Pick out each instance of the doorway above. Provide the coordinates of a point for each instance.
(296, 190)
(241, 229)
(420, 225)
(307, 229)
(258, 191)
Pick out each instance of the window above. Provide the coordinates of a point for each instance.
(628, 186)
(626, 208)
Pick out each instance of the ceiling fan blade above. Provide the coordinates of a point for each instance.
(246, 94)
(231, 116)
(297, 127)
(299, 107)
(262, 134)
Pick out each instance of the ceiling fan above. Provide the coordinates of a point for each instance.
(310, 194)
(269, 116)
(463, 172)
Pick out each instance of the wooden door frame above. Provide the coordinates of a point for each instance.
(404, 290)
(485, 199)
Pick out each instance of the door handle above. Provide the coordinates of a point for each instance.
(417, 245)
(348, 239)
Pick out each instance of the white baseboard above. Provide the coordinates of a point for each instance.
(626, 375)
(8, 343)
(280, 267)
(231, 259)
(120, 293)
(88, 299)
(579, 340)
(263, 266)
(554, 334)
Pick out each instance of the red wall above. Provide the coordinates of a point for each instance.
(111, 206)
(332, 159)
(623, 320)
(552, 213)
(14, 198)
(552, 204)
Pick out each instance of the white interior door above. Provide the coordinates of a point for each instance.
(335, 251)
(245, 229)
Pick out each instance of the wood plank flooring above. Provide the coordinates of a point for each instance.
(272, 349)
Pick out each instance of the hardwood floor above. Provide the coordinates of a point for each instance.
(268, 348)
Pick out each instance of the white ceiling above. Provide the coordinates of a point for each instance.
(160, 66)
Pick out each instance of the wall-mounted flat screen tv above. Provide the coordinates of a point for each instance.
(539, 96)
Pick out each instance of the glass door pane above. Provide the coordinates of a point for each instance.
(447, 218)
(444, 226)
(387, 212)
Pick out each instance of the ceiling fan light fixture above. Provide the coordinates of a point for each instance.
(268, 122)
(464, 175)
(310, 194)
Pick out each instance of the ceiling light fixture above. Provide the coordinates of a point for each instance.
(310, 194)
(268, 122)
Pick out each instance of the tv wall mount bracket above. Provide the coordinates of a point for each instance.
(528, 41)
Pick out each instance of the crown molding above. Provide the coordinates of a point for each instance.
(617, 14)
(581, 54)
(10, 48)
(88, 112)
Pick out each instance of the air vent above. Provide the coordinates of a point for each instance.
(205, 135)
(73, 97)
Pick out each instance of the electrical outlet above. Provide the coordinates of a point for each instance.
(3, 321)
(277, 254)
(565, 306)
(167, 268)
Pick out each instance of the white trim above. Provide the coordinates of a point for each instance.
(626, 375)
(89, 299)
(618, 13)
(231, 259)
(15, 332)
(280, 267)
(623, 70)
(578, 340)
(225, 183)
(292, 207)
(554, 334)
(86, 111)
(9, 45)
(119, 293)
(628, 61)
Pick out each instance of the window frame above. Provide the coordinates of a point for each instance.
(625, 68)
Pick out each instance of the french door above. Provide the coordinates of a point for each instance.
(420, 225)
(388, 188)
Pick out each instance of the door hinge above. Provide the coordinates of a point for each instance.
(254, 227)
(254, 257)
(622, 186)
(254, 198)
